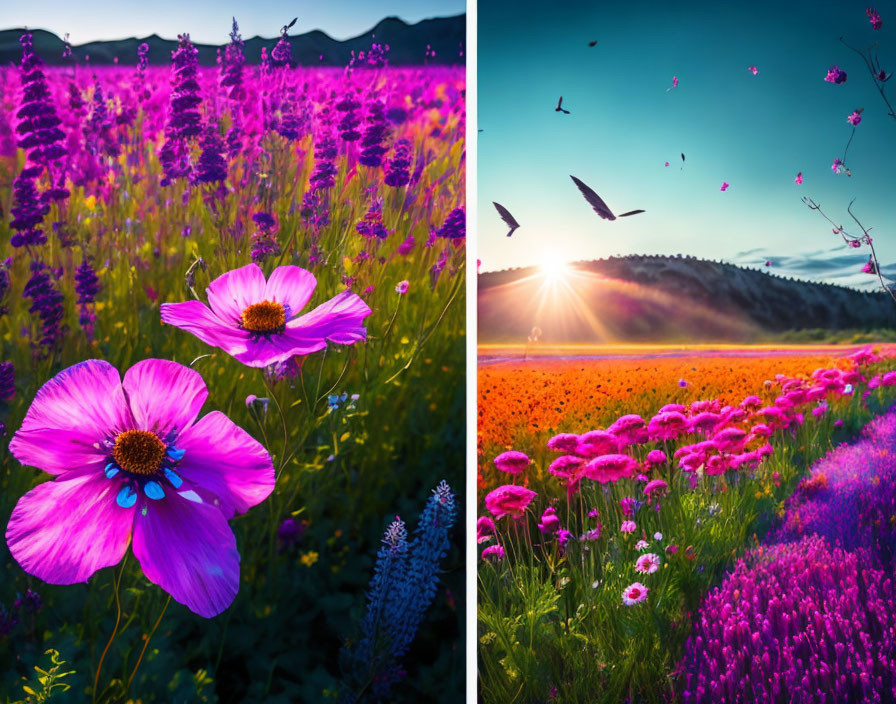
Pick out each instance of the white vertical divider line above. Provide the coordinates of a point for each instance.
(471, 289)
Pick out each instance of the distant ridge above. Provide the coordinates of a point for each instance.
(407, 44)
(669, 299)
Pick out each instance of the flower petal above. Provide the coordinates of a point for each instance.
(164, 395)
(188, 549)
(292, 286)
(73, 411)
(63, 531)
(277, 348)
(225, 460)
(234, 291)
(198, 319)
(340, 320)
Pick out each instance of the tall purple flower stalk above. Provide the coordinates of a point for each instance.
(7, 381)
(375, 131)
(47, 305)
(799, 622)
(348, 125)
(325, 152)
(87, 286)
(372, 224)
(233, 64)
(184, 121)
(39, 126)
(455, 225)
(211, 167)
(398, 173)
(264, 239)
(28, 209)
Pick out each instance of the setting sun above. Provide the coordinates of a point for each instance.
(553, 268)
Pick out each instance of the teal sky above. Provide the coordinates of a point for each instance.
(755, 132)
(208, 21)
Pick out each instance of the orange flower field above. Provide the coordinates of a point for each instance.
(541, 397)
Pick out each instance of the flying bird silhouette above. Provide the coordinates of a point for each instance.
(598, 204)
(592, 43)
(506, 217)
(559, 107)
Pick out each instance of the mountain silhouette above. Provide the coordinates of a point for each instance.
(667, 299)
(407, 45)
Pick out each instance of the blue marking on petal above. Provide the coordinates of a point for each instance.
(111, 470)
(191, 495)
(127, 497)
(172, 477)
(175, 454)
(154, 490)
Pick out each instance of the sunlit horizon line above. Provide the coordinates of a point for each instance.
(562, 295)
(870, 287)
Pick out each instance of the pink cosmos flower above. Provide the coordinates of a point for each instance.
(835, 75)
(512, 462)
(610, 468)
(493, 553)
(402, 288)
(799, 179)
(725, 186)
(509, 500)
(133, 466)
(753, 70)
(647, 563)
(258, 323)
(855, 118)
(485, 529)
(627, 527)
(634, 594)
(874, 18)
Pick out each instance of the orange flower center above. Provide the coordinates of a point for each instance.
(139, 452)
(264, 317)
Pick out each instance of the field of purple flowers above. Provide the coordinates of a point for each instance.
(812, 616)
(232, 333)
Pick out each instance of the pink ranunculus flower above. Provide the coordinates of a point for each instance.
(564, 442)
(257, 322)
(493, 553)
(485, 529)
(509, 500)
(657, 487)
(512, 461)
(132, 463)
(655, 457)
(610, 468)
